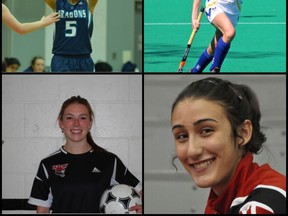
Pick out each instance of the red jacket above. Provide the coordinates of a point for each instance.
(253, 189)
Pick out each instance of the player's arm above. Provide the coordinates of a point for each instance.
(51, 3)
(23, 28)
(41, 209)
(92, 4)
(195, 9)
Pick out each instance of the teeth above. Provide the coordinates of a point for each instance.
(202, 164)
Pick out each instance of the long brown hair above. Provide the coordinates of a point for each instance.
(83, 101)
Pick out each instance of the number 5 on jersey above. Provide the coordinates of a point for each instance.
(71, 29)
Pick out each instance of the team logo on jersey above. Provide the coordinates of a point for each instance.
(60, 169)
(95, 170)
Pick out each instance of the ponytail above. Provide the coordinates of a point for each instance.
(95, 147)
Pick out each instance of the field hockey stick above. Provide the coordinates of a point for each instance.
(183, 61)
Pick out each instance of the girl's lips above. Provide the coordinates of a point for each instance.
(76, 131)
(202, 164)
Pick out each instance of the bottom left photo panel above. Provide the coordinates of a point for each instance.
(72, 144)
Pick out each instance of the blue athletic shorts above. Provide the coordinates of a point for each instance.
(74, 64)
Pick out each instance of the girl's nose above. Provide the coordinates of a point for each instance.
(194, 148)
(76, 122)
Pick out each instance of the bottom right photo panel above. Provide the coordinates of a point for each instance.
(214, 144)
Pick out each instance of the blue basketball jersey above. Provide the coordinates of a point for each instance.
(74, 30)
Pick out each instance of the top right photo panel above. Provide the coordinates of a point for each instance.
(215, 36)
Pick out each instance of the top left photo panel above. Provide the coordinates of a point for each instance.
(72, 36)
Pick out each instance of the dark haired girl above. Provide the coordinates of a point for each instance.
(216, 128)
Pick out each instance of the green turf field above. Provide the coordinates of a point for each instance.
(259, 45)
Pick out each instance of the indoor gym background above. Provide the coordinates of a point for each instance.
(259, 45)
(122, 18)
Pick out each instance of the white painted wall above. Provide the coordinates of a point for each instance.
(30, 106)
(171, 192)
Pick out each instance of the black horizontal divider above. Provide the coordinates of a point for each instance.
(17, 204)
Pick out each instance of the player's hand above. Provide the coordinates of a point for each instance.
(137, 208)
(51, 18)
(195, 24)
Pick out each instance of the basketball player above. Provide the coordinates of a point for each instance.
(24, 28)
(72, 45)
(73, 178)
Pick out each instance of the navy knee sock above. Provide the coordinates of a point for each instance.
(203, 61)
(220, 54)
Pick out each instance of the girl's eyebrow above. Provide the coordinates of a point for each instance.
(198, 122)
(177, 126)
(203, 120)
(73, 114)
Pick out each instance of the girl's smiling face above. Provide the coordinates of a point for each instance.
(76, 122)
(204, 142)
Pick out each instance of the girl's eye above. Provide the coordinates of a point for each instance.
(206, 131)
(181, 137)
(84, 118)
(68, 118)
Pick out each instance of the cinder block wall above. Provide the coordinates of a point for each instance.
(30, 106)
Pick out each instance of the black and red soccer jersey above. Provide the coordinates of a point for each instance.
(74, 183)
(253, 189)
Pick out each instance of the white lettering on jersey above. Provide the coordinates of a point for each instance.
(72, 14)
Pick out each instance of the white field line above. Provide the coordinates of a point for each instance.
(240, 23)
